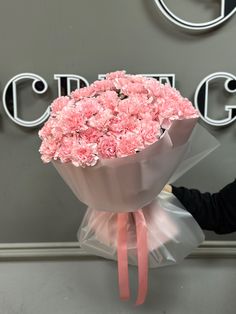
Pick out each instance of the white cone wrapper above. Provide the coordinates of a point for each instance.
(134, 182)
(128, 183)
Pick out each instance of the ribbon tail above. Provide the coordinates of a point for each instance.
(142, 252)
(122, 255)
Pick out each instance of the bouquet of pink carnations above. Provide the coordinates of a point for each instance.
(117, 143)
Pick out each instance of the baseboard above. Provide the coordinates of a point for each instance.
(71, 250)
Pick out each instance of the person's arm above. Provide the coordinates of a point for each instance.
(216, 212)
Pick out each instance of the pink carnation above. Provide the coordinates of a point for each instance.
(129, 145)
(187, 109)
(48, 149)
(64, 151)
(137, 78)
(91, 135)
(72, 120)
(120, 82)
(88, 107)
(103, 86)
(134, 104)
(101, 120)
(130, 123)
(46, 129)
(115, 125)
(114, 75)
(84, 154)
(151, 132)
(84, 92)
(59, 103)
(153, 87)
(109, 99)
(107, 147)
(133, 88)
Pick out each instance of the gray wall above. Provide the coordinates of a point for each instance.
(89, 37)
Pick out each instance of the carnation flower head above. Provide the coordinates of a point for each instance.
(107, 147)
(59, 103)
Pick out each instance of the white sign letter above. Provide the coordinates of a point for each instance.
(9, 98)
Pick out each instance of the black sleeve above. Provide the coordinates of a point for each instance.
(216, 212)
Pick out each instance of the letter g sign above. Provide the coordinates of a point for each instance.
(227, 9)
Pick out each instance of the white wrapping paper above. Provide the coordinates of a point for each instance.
(128, 183)
(135, 182)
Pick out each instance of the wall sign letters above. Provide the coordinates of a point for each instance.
(10, 100)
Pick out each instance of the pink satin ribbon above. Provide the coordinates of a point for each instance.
(122, 255)
(142, 254)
